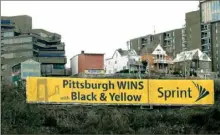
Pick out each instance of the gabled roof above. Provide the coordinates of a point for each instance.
(159, 51)
(123, 53)
(190, 55)
(30, 61)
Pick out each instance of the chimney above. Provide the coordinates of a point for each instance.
(82, 52)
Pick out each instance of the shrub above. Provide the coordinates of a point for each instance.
(19, 117)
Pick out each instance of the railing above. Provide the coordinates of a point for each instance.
(48, 39)
(162, 61)
(52, 59)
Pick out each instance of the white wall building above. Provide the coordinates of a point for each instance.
(120, 62)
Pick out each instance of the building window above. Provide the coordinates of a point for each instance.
(17, 40)
(58, 66)
(4, 67)
(8, 34)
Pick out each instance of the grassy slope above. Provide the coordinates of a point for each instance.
(19, 117)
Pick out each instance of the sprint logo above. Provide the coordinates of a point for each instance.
(167, 94)
(202, 92)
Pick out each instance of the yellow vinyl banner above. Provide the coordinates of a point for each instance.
(84, 90)
(181, 92)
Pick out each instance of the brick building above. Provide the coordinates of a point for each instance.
(89, 63)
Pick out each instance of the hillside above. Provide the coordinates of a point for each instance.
(19, 117)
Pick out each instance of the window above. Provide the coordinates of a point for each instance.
(4, 67)
(7, 22)
(58, 66)
(17, 40)
(8, 34)
(17, 47)
(17, 55)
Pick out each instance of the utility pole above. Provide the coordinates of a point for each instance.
(185, 64)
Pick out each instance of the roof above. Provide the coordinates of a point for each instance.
(123, 52)
(190, 55)
(93, 54)
(87, 54)
(159, 51)
(28, 61)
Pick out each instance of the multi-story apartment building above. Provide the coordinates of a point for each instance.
(210, 31)
(20, 42)
(192, 31)
(171, 41)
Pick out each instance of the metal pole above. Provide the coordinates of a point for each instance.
(185, 64)
(139, 68)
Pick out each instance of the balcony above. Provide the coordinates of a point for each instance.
(167, 38)
(53, 72)
(58, 72)
(58, 60)
(56, 47)
(161, 61)
(168, 45)
(47, 39)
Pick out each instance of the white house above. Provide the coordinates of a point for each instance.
(193, 60)
(120, 62)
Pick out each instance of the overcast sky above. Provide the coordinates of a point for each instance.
(101, 27)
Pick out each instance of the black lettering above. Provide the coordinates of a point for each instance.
(121, 85)
(189, 91)
(160, 92)
(137, 98)
(77, 84)
(94, 97)
(181, 93)
(124, 97)
(64, 98)
(178, 95)
(82, 86)
(81, 97)
(112, 96)
(65, 82)
(74, 97)
(130, 98)
(111, 85)
(141, 86)
(128, 84)
(87, 85)
(133, 85)
(167, 94)
(117, 97)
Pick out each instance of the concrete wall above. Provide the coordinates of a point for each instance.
(216, 46)
(178, 41)
(193, 30)
(23, 23)
(74, 65)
